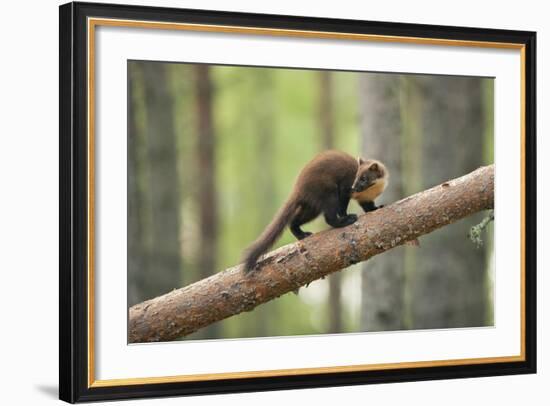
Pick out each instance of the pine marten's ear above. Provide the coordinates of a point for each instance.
(374, 167)
(360, 161)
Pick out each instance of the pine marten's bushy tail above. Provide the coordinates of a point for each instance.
(272, 232)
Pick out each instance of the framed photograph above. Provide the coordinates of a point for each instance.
(257, 202)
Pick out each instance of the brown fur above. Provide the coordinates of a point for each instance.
(379, 175)
(371, 193)
(323, 186)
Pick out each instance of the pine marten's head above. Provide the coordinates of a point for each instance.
(370, 181)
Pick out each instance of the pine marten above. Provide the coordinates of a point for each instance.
(325, 185)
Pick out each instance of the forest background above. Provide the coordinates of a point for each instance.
(213, 152)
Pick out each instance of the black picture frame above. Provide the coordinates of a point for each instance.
(74, 201)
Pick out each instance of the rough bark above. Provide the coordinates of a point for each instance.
(447, 285)
(326, 119)
(382, 277)
(230, 292)
(159, 205)
(326, 110)
(207, 195)
(206, 163)
(137, 248)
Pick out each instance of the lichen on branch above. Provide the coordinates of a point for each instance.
(475, 231)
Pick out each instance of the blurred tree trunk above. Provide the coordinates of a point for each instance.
(136, 204)
(164, 262)
(380, 127)
(206, 179)
(183, 93)
(448, 287)
(410, 101)
(264, 114)
(326, 120)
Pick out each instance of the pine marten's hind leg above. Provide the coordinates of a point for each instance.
(304, 215)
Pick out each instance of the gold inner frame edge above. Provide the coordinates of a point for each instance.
(93, 22)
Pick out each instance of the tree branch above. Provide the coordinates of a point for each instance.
(231, 291)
